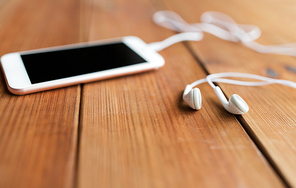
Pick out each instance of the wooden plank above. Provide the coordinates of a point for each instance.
(137, 132)
(38, 132)
(272, 117)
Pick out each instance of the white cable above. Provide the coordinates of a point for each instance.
(229, 81)
(222, 26)
(265, 80)
(157, 46)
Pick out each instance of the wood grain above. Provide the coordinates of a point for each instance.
(272, 117)
(38, 132)
(137, 132)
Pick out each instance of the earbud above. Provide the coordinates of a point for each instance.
(192, 97)
(235, 105)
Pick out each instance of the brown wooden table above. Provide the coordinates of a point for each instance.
(136, 131)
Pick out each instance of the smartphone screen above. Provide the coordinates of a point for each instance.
(53, 65)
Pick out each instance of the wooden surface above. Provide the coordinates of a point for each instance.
(38, 132)
(136, 131)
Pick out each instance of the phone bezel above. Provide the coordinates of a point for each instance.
(18, 81)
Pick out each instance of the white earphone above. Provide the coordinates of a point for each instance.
(224, 27)
(235, 105)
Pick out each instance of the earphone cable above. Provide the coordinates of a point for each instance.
(219, 24)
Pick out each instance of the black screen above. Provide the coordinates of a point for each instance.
(54, 65)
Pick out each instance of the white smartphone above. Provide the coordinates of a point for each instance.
(49, 68)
